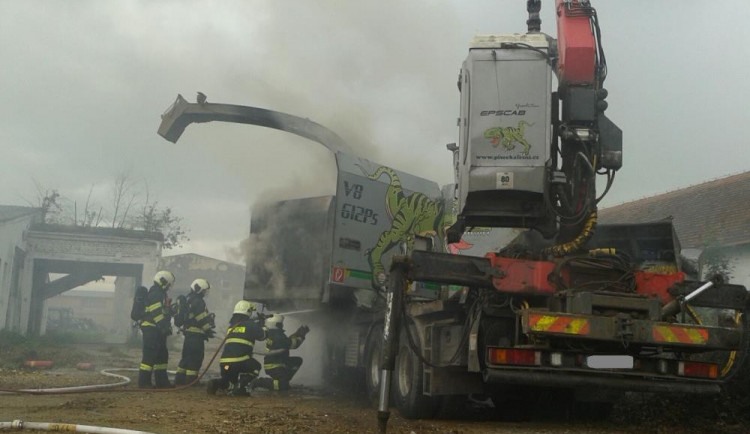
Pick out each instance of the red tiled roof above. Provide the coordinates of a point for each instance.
(713, 213)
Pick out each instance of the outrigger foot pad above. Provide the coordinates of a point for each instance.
(383, 420)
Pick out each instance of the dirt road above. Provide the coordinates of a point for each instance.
(305, 409)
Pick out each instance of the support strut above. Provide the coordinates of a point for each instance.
(391, 332)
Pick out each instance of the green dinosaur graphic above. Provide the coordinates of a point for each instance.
(412, 215)
(508, 135)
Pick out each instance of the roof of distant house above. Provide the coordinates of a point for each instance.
(11, 212)
(99, 231)
(714, 213)
(88, 293)
(190, 257)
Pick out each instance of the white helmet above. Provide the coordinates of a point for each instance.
(165, 279)
(275, 321)
(200, 286)
(244, 307)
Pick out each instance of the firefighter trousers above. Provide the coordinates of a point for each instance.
(192, 358)
(280, 376)
(238, 374)
(155, 357)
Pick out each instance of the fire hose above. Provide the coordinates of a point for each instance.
(106, 387)
(48, 426)
(76, 389)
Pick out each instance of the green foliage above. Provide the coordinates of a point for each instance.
(15, 348)
(57, 338)
(8, 338)
(715, 263)
(156, 219)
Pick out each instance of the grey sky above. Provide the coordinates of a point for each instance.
(84, 83)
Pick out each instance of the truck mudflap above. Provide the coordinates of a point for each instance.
(564, 378)
(622, 328)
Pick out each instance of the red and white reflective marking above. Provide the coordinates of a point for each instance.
(338, 274)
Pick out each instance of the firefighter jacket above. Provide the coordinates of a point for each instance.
(278, 340)
(157, 310)
(199, 319)
(240, 341)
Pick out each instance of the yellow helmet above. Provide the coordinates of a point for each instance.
(200, 286)
(244, 307)
(165, 279)
(275, 321)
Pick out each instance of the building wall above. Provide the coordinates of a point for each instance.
(97, 307)
(11, 237)
(90, 247)
(227, 282)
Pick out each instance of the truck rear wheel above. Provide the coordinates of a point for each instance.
(407, 382)
(373, 350)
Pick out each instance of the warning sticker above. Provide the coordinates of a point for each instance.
(338, 274)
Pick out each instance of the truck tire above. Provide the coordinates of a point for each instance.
(373, 349)
(407, 382)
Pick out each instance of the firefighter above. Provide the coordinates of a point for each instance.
(198, 327)
(277, 364)
(156, 326)
(238, 367)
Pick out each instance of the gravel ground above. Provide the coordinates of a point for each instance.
(315, 410)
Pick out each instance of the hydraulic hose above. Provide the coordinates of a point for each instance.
(563, 249)
(49, 426)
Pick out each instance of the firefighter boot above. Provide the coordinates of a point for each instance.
(263, 383)
(162, 380)
(144, 379)
(240, 387)
(213, 386)
(190, 378)
(234, 390)
(179, 378)
(244, 382)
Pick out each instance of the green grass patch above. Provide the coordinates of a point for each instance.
(15, 349)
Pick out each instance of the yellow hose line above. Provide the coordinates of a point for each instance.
(693, 314)
(563, 249)
(732, 355)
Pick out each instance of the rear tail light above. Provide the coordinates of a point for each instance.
(698, 369)
(505, 356)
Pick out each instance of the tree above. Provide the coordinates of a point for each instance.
(717, 264)
(125, 197)
(48, 200)
(155, 219)
(89, 218)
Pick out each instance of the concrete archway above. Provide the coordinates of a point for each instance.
(82, 255)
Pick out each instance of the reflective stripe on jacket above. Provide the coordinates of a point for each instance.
(199, 319)
(156, 311)
(240, 341)
(278, 340)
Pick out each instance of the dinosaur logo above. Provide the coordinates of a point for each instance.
(412, 215)
(508, 135)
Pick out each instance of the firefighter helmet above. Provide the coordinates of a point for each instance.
(275, 321)
(200, 286)
(244, 307)
(164, 279)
